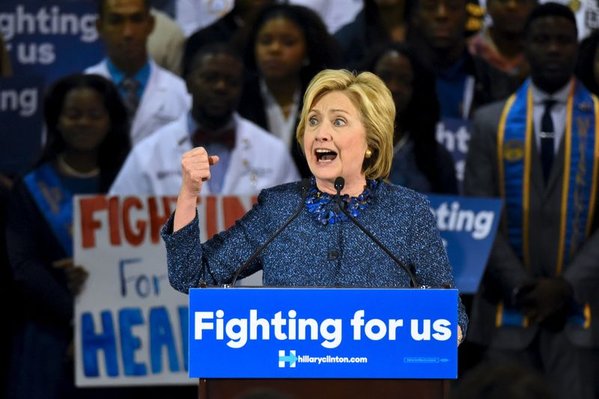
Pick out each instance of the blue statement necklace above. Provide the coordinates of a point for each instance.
(322, 205)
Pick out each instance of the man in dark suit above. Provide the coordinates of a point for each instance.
(538, 151)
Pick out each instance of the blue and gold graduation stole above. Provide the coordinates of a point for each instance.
(55, 202)
(579, 184)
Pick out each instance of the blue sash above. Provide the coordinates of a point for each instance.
(579, 184)
(55, 202)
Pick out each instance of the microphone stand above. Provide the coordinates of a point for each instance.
(339, 184)
(304, 189)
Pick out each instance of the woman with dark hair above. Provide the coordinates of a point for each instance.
(87, 142)
(587, 67)
(63, 113)
(286, 46)
(419, 161)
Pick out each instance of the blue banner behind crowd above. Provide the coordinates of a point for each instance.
(454, 135)
(20, 123)
(468, 227)
(322, 333)
(50, 39)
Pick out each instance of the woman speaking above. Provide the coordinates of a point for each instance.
(343, 227)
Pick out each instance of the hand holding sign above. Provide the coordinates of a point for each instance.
(76, 275)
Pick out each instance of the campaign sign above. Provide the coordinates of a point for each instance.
(322, 333)
(130, 324)
(468, 227)
(21, 122)
(50, 38)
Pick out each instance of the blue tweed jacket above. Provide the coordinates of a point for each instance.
(311, 252)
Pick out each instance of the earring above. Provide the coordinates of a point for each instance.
(368, 153)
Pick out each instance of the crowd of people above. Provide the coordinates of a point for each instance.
(240, 104)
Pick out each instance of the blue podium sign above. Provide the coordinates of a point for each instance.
(322, 333)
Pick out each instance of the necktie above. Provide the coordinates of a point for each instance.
(547, 139)
(202, 138)
(130, 88)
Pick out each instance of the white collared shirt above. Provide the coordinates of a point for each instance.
(279, 125)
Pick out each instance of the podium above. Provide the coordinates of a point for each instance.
(325, 389)
(323, 343)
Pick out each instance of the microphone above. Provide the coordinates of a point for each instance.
(339, 184)
(304, 189)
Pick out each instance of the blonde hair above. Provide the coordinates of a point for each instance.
(373, 100)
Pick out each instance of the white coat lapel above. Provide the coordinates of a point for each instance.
(237, 176)
(152, 100)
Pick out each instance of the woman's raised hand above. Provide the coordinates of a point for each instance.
(195, 169)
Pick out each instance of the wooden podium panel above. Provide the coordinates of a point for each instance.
(325, 388)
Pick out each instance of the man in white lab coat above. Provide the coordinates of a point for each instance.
(153, 95)
(250, 158)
